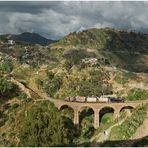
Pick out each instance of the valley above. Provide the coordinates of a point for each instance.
(36, 77)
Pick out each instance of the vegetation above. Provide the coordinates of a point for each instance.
(3, 118)
(121, 79)
(43, 125)
(82, 63)
(107, 118)
(129, 127)
(137, 94)
(121, 48)
(74, 57)
(6, 66)
(86, 129)
(104, 38)
(142, 142)
(67, 112)
(6, 87)
(86, 82)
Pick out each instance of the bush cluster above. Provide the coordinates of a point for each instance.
(129, 127)
(137, 94)
(6, 87)
(43, 125)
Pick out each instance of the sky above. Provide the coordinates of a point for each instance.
(54, 19)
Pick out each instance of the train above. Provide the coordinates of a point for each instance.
(101, 99)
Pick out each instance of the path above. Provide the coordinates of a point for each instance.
(103, 137)
(22, 87)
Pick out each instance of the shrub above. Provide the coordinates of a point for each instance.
(86, 82)
(22, 96)
(121, 79)
(6, 66)
(6, 86)
(142, 142)
(74, 57)
(3, 118)
(14, 106)
(129, 126)
(106, 118)
(44, 126)
(137, 94)
(53, 85)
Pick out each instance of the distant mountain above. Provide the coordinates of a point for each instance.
(32, 38)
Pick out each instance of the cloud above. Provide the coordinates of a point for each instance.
(57, 19)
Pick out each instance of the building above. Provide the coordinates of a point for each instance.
(11, 42)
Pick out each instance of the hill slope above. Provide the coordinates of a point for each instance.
(123, 49)
(88, 63)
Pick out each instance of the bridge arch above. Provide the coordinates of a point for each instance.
(86, 112)
(107, 106)
(66, 105)
(67, 111)
(126, 107)
(84, 107)
(106, 110)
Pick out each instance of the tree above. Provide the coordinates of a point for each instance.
(6, 66)
(45, 126)
(5, 86)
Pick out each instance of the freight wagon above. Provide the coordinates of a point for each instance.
(91, 99)
(102, 99)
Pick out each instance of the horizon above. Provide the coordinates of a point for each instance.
(73, 32)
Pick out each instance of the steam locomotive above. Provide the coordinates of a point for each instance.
(103, 99)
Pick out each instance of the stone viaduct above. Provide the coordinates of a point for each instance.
(96, 107)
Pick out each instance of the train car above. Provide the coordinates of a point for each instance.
(103, 99)
(91, 99)
(67, 99)
(116, 100)
(70, 99)
(80, 99)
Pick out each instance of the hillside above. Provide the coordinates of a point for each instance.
(93, 62)
(128, 50)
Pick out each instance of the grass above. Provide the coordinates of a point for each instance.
(106, 118)
(137, 94)
(130, 125)
(121, 79)
(104, 126)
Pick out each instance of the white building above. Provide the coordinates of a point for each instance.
(11, 42)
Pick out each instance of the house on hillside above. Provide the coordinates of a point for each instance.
(92, 61)
(11, 42)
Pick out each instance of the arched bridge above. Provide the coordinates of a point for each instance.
(96, 107)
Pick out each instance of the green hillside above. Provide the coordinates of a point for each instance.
(93, 62)
(123, 49)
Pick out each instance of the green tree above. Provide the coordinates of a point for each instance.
(6, 66)
(6, 86)
(43, 125)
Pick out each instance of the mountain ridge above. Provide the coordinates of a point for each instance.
(32, 38)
